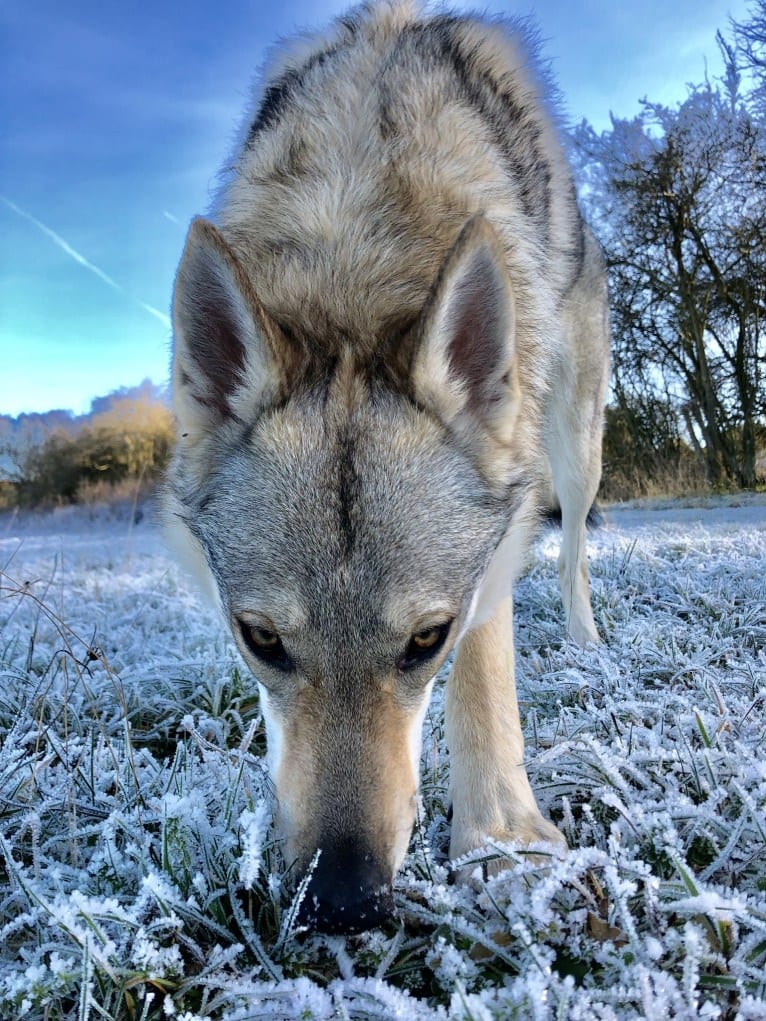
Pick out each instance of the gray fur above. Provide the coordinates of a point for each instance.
(390, 356)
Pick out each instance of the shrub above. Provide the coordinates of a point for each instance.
(644, 455)
(131, 441)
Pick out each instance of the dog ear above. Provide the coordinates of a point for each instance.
(226, 360)
(464, 367)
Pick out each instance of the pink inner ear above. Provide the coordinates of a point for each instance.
(212, 319)
(477, 323)
(213, 341)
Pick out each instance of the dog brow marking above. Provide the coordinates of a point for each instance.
(346, 487)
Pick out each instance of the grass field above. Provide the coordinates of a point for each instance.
(138, 874)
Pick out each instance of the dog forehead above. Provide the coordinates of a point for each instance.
(379, 475)
(343, 509)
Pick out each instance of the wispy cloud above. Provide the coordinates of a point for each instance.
(74, 254)
(169, 216)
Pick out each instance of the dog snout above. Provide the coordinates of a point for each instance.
(349, 891)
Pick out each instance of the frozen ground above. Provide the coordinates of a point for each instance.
(137, 874)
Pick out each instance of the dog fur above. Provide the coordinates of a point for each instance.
(391, 354)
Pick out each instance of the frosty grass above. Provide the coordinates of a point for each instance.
(138, 874)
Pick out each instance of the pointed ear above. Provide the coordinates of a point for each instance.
(464, 366)
(225, 355)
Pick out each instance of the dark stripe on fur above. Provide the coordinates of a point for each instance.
(577, 254)
(347, 486)
(439, 41)
(277, 96)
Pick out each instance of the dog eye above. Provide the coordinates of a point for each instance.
(426, 639)
(423, 645)
(265, 645)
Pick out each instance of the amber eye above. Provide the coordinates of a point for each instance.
(265, 640)
(424, 645)
(265, 645)
(427, 639)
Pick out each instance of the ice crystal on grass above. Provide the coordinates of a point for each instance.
(139, 875)
(254, 826)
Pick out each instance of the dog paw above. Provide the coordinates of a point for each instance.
(584, 638)
(535, 837)
(582, 630)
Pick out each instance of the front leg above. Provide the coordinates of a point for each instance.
(491, 795)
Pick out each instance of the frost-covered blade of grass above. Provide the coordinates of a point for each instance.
(139, 878)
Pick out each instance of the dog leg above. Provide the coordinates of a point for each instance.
(491, 794)
(574, 431)
(573, 571)
(575, 459)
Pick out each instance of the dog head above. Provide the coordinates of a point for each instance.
(345, 516)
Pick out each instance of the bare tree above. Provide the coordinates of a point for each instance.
(750, 47)
(678, 199)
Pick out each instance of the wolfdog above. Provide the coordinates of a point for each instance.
(390, 359)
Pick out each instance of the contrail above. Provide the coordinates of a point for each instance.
(65, 247)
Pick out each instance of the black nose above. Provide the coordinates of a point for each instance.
(348, 892)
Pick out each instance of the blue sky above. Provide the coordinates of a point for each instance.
(114, 118)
